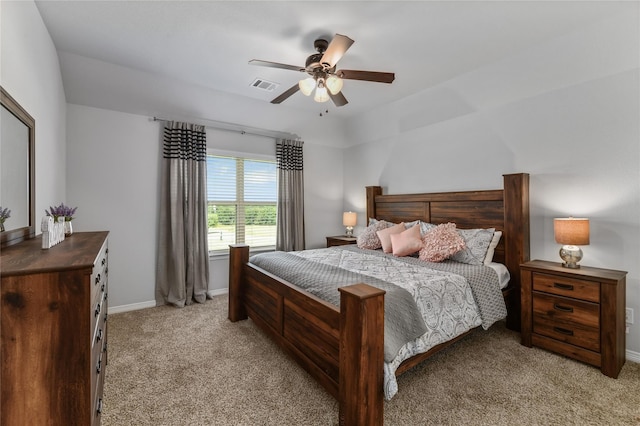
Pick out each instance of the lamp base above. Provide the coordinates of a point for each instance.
(349, 231)
(571, 256)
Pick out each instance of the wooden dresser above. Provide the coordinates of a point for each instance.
(53, 331)
(578, 313)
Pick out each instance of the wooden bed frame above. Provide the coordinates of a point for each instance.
(342, 348)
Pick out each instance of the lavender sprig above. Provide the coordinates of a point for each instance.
(4, 214)
(61, 211)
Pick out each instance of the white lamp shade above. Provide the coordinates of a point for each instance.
(334, 84)
(349, 218)
(307, 85)
(321, 95)
(571, 231)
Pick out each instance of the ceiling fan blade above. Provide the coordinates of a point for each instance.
(293, 89)
(339, 99)
(336, 49)
(275, 65)
(378, 77)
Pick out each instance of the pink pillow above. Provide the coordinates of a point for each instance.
(440, 243)
(407, 242)
(385, 235)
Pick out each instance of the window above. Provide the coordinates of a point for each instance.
(241, 203)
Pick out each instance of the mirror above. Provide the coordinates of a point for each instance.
(17, 171)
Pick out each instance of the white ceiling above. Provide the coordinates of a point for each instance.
(208, 44)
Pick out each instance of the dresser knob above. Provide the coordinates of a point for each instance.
(99, 408)
(97, 278)
(99, 365)
(99, 336)
(97, 311)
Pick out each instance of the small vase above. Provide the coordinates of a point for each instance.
(68, 228)
(1, 226)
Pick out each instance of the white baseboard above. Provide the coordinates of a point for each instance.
(633, 356)
(131, 307)
(152, 303)
(217, 292)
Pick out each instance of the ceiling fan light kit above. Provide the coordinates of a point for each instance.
(324, 79)
(307, 85)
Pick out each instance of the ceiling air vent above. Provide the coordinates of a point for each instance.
(261, 84)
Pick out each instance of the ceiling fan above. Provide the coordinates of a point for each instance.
(324, 78)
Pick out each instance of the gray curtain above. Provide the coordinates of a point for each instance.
(183, 255)
(289, 159)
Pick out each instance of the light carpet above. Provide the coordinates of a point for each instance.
(191, 366)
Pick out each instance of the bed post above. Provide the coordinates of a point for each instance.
(516, 226)
(372, 191)
(238, 258)
(361, 355)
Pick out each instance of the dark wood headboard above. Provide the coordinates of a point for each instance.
(506, 210)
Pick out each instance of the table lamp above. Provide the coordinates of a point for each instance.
(571, 232)
(349, 221)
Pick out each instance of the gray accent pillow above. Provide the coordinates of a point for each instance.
(477, 243)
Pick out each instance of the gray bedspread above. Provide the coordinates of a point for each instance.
(402, 319)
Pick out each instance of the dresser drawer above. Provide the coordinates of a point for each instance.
(98, 310)
(98, 402)
(569, 287)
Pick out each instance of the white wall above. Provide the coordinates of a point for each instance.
(567, 112)
(30, 72)
(113, 168)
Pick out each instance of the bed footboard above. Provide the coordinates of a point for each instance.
(343, 349)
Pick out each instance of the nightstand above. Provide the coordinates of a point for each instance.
(340, 240)
(578, 313)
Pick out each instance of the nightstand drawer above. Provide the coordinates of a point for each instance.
(577, 289)
(567, 311)
(575, 334)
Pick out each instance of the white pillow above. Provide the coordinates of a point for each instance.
(492, 247)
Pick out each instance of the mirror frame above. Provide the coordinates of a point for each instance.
(14, 236)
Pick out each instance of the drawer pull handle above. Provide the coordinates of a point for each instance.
(562, 308)
(102, 288)
(99, 409)
(563, 331)
(563, 286)
(99, 366)
(105, 317)
(97, 311)
(97, 278)
(104, 261)
(99, 336)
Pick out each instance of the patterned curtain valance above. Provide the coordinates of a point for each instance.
(289, 154)
(185, 141)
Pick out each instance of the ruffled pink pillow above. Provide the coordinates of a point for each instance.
(440, 243)
(407, 242)
(385, 235)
